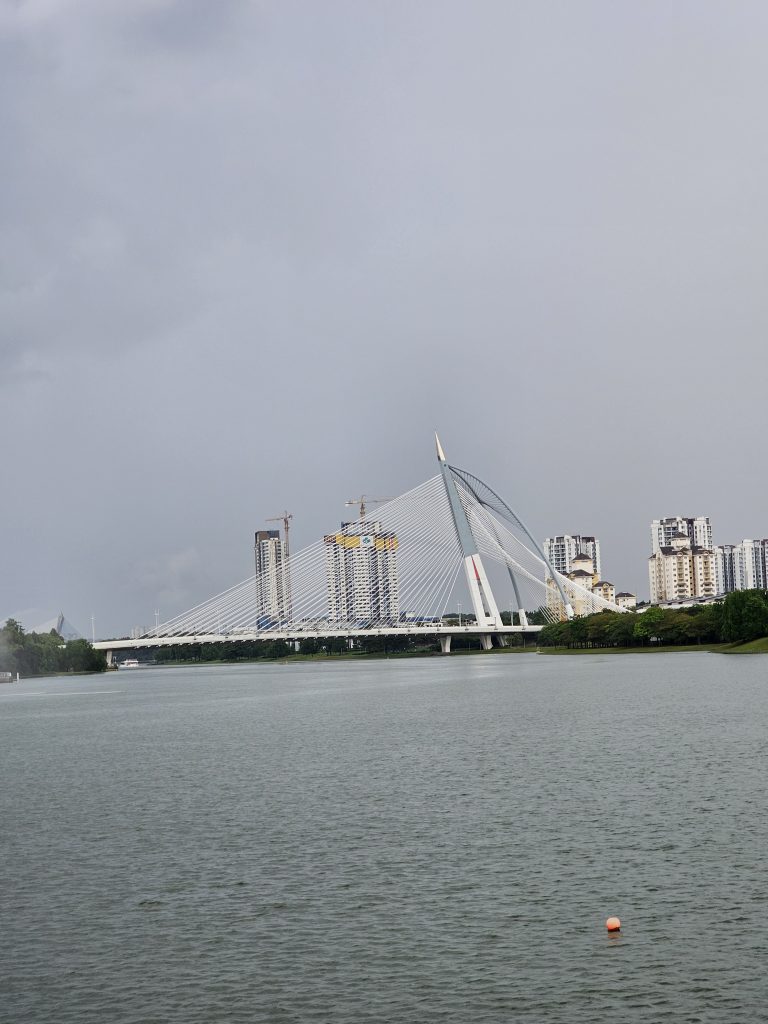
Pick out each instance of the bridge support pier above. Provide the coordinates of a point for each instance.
(109, 658)
(486, 641)
(445, 644)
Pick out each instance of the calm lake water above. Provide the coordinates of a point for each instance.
(408, 841)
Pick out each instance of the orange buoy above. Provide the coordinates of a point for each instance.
(613, 924)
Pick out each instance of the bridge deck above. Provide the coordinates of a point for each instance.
(315, 634)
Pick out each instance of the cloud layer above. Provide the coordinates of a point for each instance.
(251, 254)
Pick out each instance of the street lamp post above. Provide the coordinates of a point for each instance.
(459, 614)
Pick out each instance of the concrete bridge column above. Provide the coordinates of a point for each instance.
(486, 641)
(445, 644)
(109, 658)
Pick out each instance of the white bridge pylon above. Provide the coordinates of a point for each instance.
(451, 544)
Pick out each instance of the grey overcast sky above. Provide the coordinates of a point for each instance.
(253, 253)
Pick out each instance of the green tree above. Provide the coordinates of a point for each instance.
(709, 622)
(336, 645)
(79, 656)
(578, 632)
(745, 616)
(599, 628)
(554, 634)
(621, 630)
(278, 649)
(647, 624)
(45, 653)
(11, 646)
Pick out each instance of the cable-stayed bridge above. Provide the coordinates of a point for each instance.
(452, 541)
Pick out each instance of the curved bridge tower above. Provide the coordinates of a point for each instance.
(483, 602)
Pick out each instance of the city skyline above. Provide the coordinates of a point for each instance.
(733, 566)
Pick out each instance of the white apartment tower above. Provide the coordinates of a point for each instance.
(272, 581)
(725, 568)
(562, 551)
(698, 530)
(679, 570)
(742, 566)
(361, 572)
(750, 565)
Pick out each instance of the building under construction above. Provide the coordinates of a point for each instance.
(361, 573)
(272, 580)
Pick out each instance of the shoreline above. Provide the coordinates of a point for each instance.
(746, 648)
(759, 646)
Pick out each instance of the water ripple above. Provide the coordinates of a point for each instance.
(436, 841)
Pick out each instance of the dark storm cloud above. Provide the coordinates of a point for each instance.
(251, 254)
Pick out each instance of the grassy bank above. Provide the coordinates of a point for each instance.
(651, 649)
(750, 647)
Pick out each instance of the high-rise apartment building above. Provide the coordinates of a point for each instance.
(725, 568)
(750, 565)
(679, 570)
(742, 566)
(698, 530)
(361, 572)
(272, 581)
(562, 551)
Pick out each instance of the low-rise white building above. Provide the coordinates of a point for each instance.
(605, 590)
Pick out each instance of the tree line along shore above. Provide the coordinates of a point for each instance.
(740, 618)
(45, 654)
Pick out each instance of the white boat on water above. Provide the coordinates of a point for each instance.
(130, 663)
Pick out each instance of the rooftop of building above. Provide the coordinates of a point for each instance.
(689, 549)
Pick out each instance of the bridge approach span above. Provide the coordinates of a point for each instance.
(442, 633)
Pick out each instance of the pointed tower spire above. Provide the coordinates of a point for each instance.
(440, 452)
